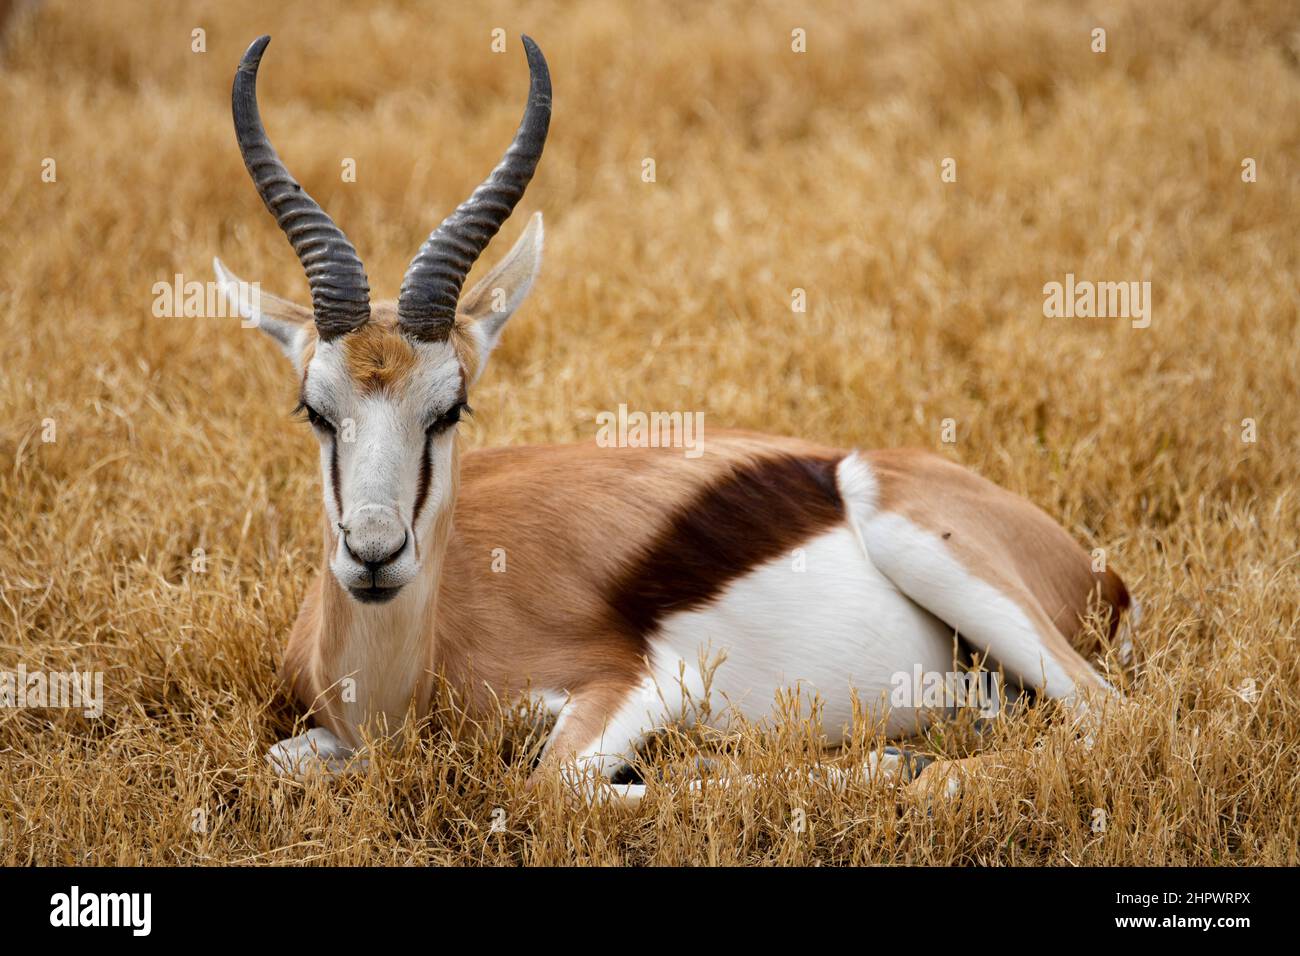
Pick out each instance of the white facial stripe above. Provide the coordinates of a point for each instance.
(382, 442)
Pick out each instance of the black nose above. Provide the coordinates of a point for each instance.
(371, 563)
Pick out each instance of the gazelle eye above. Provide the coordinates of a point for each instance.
(450, 417)
(314, 418)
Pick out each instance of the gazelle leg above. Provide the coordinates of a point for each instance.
(997, 614)
(599, 729)
(891, 764)
(318, 751)
(994, 611)
(947, 778)
(597, 733)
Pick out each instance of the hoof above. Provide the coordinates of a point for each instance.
(941, 780)
(315, 753)
(905, 765)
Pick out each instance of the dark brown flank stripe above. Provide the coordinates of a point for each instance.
(761, 510)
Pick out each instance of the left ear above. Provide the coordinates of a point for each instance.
(495, 297)
(285, 321)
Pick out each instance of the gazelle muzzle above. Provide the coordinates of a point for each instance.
(375, 557)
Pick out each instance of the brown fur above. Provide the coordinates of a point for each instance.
(593, 706)
(379, 357)
(569, 521)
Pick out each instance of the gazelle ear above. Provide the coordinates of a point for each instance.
(286, 322)
(495, 297)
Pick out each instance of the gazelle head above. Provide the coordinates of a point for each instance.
(384, 384)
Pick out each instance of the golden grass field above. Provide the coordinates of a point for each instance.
(774, 170)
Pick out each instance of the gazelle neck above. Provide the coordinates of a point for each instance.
(376, 660)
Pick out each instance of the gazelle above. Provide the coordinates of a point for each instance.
(625, 567)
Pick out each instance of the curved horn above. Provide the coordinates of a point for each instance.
(340, 294)
(426, 306)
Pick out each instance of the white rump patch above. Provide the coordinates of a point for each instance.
(822, 619)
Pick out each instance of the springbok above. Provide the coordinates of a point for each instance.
(624, 568)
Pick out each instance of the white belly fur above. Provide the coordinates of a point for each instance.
(835, 627)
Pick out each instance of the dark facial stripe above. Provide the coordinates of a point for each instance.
(758, 512)
(422, 488)
(334, 474)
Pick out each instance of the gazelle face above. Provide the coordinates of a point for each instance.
(385, 408)
(384, 387)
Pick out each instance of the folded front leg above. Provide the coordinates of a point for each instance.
(318, 751)
(597, 734)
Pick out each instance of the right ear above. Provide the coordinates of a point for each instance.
(498, 294)
(286, 322)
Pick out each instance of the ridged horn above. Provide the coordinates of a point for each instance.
(426, 305)
(340, 294)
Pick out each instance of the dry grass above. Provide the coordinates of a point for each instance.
(775, 171)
